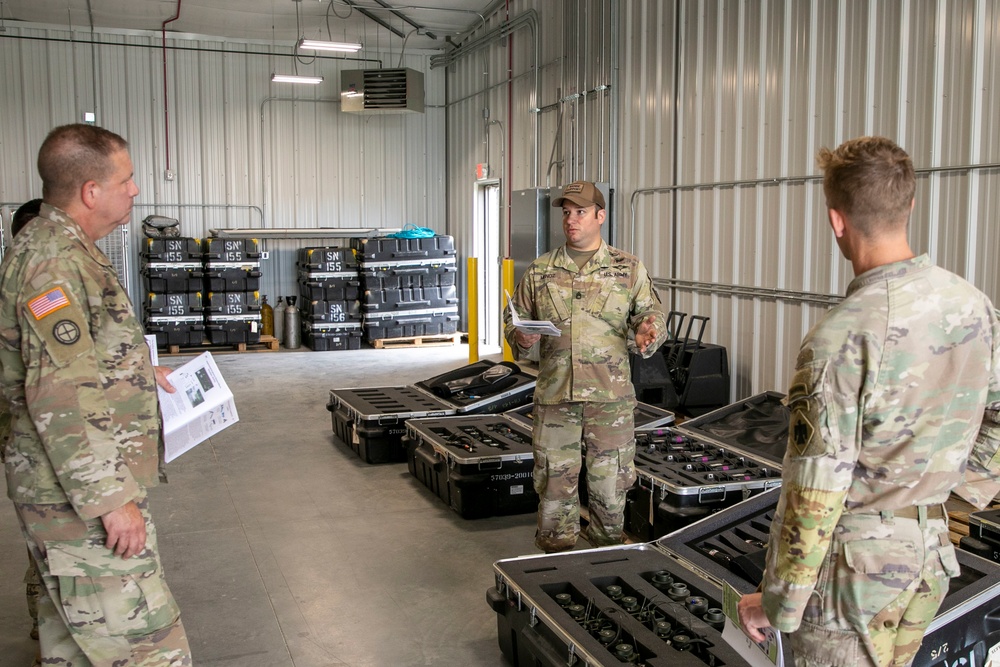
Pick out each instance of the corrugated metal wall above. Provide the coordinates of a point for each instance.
(246, 152)
(717, 110)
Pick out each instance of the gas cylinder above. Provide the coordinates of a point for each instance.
(293, 334)
(279, 319)
(266, 318)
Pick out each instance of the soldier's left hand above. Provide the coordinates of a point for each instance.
(161, 373)
(645, 333)
(752, 616)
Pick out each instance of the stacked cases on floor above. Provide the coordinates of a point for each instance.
(330, 286)
(408, 286)
(174, 278)
(232, 281)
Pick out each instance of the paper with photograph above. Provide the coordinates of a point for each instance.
(543, 327)
(201, 406)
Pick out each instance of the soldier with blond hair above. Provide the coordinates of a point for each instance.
(604, 305)
(86, 434)
(894, 404)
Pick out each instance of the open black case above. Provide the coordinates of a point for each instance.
(371, 420)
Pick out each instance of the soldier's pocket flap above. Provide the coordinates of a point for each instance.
(881, 556)
(84, 558)
(949, 559)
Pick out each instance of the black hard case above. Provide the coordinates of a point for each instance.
(182, 249)
(406, 324)
(332, 312)
(181, 304)
(727, 546)
(330, 286)
(183, 331)
(232, 277)
(172, 278)
(402, 274)
(325, 337)
(409, 298)
(231, 250)
(328, 259)
(480, 465)
(230, 305)
(706, 464)
(233, 330)
(376, 415)
(383, 248)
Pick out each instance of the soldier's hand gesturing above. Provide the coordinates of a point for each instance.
(126, 530)
(645, 333)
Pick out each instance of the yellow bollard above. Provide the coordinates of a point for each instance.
(506, 286)
(472, 303)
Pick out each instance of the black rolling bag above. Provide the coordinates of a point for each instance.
(705, 465)
(536, 626)
(377, 414)
(480, 465)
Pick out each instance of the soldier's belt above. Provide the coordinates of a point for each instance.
(929, 511)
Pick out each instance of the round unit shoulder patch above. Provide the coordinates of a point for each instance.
(66, 332)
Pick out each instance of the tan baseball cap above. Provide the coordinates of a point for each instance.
(581, 193)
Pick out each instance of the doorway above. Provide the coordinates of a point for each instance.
(486, 243)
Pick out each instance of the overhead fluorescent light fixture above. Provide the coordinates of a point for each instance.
(320, 45)
(295, 78)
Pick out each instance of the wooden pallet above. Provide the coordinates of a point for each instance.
(417, 341)
(266, 344)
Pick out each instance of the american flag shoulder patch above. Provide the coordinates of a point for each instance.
(49, 302)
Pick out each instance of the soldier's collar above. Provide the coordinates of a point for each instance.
(73, 228)
(886, 271)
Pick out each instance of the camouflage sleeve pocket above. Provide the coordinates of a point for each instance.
(105, 594)
(812, 428)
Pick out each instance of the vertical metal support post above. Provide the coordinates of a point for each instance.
(472, 278)
(507, 285)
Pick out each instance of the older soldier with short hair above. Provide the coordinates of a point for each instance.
(75, 369)
(604, 304)
(896, 392)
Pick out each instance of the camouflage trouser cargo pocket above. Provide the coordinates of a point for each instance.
(105, 595)
(876, 573)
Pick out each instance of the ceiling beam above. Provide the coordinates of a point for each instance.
(406, 18)
(368, 14)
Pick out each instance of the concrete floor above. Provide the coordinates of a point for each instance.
(283, 548)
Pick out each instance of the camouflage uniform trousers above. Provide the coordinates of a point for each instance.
(565, 435)
(32, 591)
(97, 608)
(879, 587)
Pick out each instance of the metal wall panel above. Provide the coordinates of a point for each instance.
(245, 152)
(719, 108)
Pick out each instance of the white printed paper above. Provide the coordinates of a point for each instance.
(201, 406)
(766, 654)
(543, 327)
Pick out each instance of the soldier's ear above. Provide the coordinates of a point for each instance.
(89, 193)
(837, 223)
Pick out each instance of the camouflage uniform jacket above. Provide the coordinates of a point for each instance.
(892, 389)
(597, 308)
(76, 372)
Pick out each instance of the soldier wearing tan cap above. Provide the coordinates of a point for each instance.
(604, 305)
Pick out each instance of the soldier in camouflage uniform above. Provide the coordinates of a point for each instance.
(895, 394)
(85, 442)
(604, 304)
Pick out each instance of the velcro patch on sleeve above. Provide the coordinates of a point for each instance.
(804, 436)
(48, 303)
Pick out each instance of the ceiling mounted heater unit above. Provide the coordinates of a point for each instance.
(399, 90)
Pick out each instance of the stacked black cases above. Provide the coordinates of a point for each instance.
(708, 464)
(480, 465)
(173, 273)
(330, 287)
(984, 534)
(408, 286)
(232, 280)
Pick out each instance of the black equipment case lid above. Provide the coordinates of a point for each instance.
(439, 396)
(481, 441)
(727, 546)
